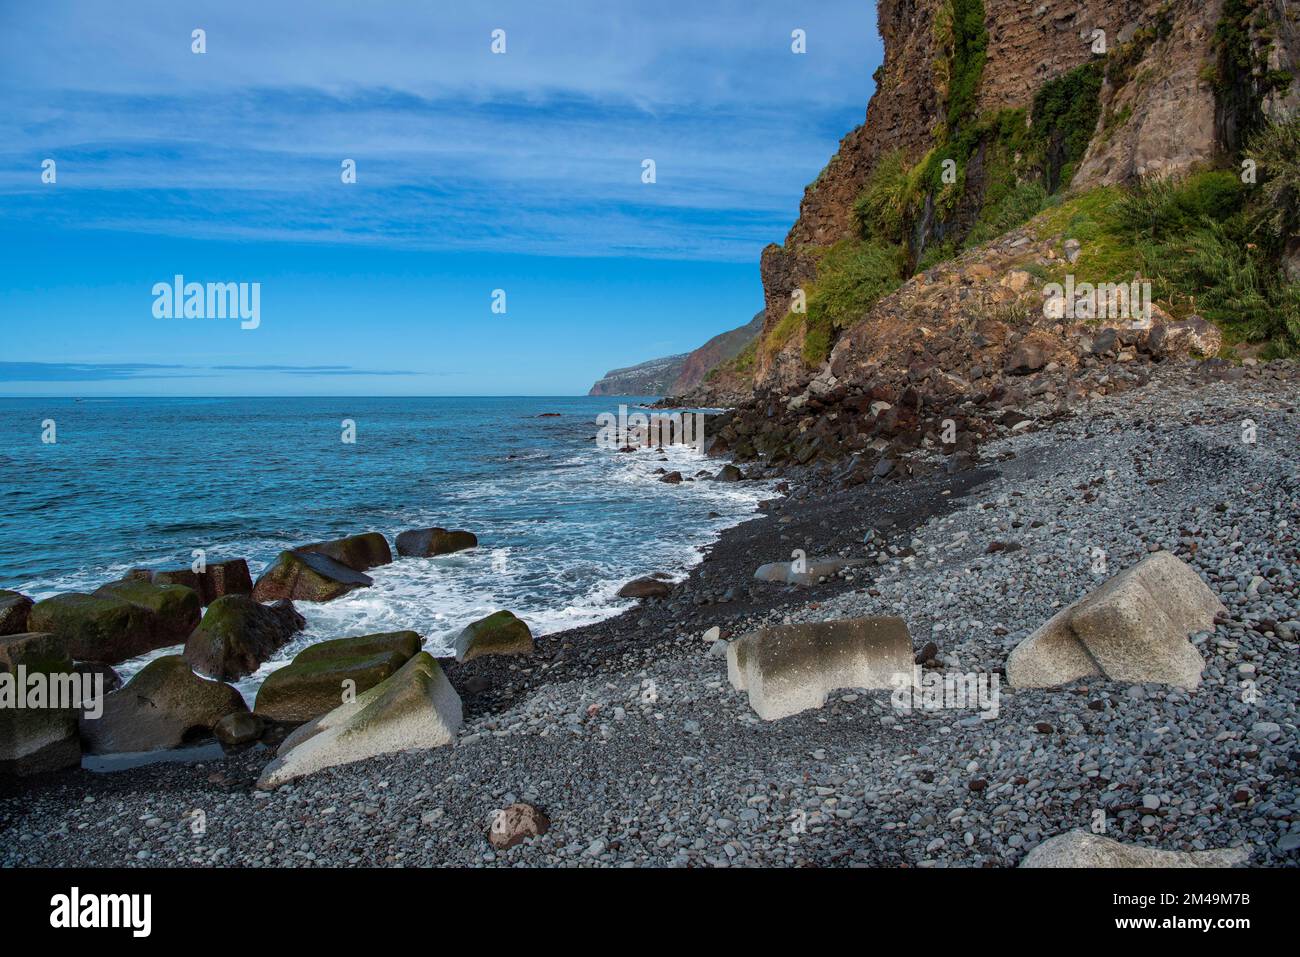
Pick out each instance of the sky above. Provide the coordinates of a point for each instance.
(475, 171)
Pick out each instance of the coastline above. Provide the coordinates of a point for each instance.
(627, 734)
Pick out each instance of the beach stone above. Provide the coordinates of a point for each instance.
(14, 609)
(672, 478)
(176, 608)
(107, 675)
(36, 740)
(103, 628)
(500, 633)
(239, 727)
(237, 634)
(163, 706)
(791, 668)
(417, 708)
(645, 588)
(317, 679)
(1134, 628)
(515, 824)
(1084, 849)
(814, 569)
(728, 473)
(307, 576)
(358, 552)
(428, 542)
(217, 579)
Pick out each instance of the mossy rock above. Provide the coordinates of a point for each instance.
(164, 706)
(428, 542)
(103, 628)
(176, 607)
(404, 643)
(305, 690)
(36, 740)
(14, 609)
(237, 634)
(357, 552)
(217, 579)
(500, 633)
(307, 576)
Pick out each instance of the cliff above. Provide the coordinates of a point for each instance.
(675, 375)
(991, 114)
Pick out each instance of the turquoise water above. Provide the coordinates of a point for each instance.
(561, 524)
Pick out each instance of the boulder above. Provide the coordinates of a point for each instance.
(500, 633)
(103, 628)
(237, 634)
(358, 552)
(728, 473)
(323, 676)
(176, 608)
(34, 740)
(217, 579)
(239, 727)
(108, 676)
(1133, 628)
(807, 572)
(416, 708)
(307, 576)
(14, 609)
(164, 706)
(1193, 336)
(672, 478)
(1084, 849)
(645, 588)
(791, 668)
(427, 542)
(515, 824)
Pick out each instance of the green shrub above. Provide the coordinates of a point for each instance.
(882, 208)
(1161, 207)
(1276, 152)
(852, 276)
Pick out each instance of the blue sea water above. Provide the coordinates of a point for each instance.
(561, 524)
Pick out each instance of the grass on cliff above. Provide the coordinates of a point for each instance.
(852, 276)
(1207, 243)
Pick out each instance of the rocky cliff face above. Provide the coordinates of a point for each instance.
(1168, 85)
(677, 375)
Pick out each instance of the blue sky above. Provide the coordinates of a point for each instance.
(476, 171)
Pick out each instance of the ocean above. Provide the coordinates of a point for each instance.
(562, 524)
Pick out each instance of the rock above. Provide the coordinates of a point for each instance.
(791, 668)
(108, 677)
(322, 676)
(237, 634)
(1083, 849)
(358, 552)
(14, 609)
(176, 608)
(728, 473)
(35, 740)
(416, 708)
(1194, 336)
(427, 542)
(1072, 248)
(500, 633)
(645, 588)
(101, 628)
(515, 824)
(163, 706)
(239, 727)
(1134, 628)
(218, 579)
(1026, 358)
(672, 478)
(307, 576)
(813, 570)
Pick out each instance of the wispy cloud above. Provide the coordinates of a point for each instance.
(120, 371)
(539, 150)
